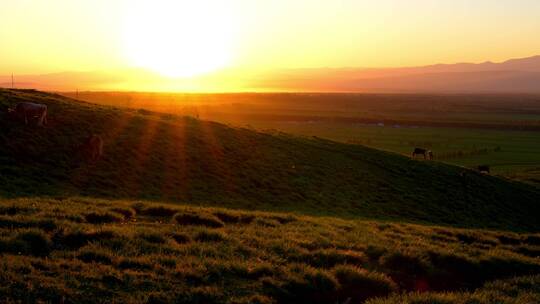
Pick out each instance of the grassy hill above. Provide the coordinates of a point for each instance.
(82, 250)
(180, 159)
(316, 221)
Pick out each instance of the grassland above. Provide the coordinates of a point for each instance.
(182, 210)
(465, 130)
(507, 152)
(523, 290)
(82, 250)
(180, 159)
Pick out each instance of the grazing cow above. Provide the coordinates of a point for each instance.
(93, 147)
(483, 169)
(29, 110)
(420, 151)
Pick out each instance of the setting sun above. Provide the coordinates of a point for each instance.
(178, 38)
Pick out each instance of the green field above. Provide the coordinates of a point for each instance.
(506, 151)
(184, 210)
(82, 250)
(161, 157)
(502, 131)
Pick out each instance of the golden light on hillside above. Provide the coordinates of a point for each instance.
(179, 38)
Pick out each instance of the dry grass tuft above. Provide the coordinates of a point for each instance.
(102, 218)
(198, 219)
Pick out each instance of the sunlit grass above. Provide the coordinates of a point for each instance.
(182, 159)
(83, 248)
(295, 230)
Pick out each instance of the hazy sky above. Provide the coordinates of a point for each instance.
(41, 36)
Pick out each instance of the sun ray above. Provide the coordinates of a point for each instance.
(176, 181)
(142, 154)
(216, 155)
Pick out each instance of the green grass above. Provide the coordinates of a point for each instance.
(530, 176)
(523, 290)
(506, 151)
(299, 259)
(465, 130)
(251, 217)
(169, 158)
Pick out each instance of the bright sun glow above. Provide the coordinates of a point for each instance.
(179, 38)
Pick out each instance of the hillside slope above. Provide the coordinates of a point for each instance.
(162, 157)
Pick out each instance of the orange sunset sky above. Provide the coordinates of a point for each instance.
(186, 43)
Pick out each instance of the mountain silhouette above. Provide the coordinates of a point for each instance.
(512, 76)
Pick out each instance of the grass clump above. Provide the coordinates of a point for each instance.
(202, 294)
(138, 206)
(18, 222)
(359, 284)
(154, 238)
(283, 219)
(474, 238)
(206, 235)
(404, 262)
(230, 217)
(509, 240)
(407, 268)
(69, 240)
(521, 290)
(328, 258)
(168, 262)
(95, 256)
(532, 239)
(128, 213)
(253, 299)
(181, 238)
(304, 284)
(31, 242)
(374, 252)
(14, 210)
(158, 298)
(266, 222)
(530, 252)
(158, 211)
(198, 219)
(102, 218)
(261, 270)
(136, 264)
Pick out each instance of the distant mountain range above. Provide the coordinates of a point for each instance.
(65, 81)
(512, 76)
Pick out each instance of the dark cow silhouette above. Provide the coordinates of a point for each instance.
(25, 111)
(428, 154)
(92, 148)
(483, 169)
